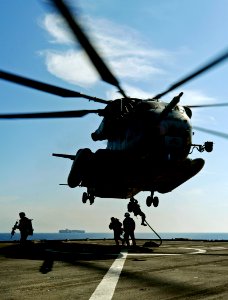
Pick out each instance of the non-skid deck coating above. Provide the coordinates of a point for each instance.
(96, 269)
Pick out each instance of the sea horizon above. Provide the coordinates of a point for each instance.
(6, 236)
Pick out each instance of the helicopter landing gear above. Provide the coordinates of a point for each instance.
(91, 199)
(155, 201)
(152, 200)
(84, 197)
(87, 196)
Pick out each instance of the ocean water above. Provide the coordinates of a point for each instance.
(90, 235)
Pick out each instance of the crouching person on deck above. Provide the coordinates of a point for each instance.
(116, 226)
(25, 227)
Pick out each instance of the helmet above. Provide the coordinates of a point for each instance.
(112, 218)
(127, 214)
(22, 214)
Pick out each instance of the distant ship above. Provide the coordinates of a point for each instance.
(71, 231)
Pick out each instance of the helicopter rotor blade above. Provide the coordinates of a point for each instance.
(213, 132)
(44, 87)
(207, 105)
(220, 58)
(51, 115)
(82, 38)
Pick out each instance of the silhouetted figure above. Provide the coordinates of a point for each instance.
(25, 227)
(116, 226)
(129, 229)
(134, 207)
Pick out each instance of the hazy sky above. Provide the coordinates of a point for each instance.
(148, 45)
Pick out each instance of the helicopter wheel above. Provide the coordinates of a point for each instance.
(91, 199)
(84, 197)
(155, 201)
(149, 201)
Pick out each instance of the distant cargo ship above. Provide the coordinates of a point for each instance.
(71, 231)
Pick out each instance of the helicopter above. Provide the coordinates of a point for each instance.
(148, 140)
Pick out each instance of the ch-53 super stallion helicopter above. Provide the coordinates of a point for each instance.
(148, 140)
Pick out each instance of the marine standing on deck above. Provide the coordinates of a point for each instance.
(116, 226)
(25, 227)
(129, 229)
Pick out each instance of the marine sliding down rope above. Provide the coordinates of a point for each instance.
(155, 233)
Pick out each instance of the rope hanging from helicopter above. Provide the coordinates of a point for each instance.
(155, 233)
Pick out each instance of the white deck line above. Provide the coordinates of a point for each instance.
(106, 287)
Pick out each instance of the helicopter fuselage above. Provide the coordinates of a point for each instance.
(145, 132)
(147, 150)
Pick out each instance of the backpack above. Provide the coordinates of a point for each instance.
(29, 227)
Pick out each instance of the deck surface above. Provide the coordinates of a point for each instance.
(96, 269)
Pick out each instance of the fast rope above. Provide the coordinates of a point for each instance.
(155, 233)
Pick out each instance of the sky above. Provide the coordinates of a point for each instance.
(148, 45)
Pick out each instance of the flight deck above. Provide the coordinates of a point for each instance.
(97, 269)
